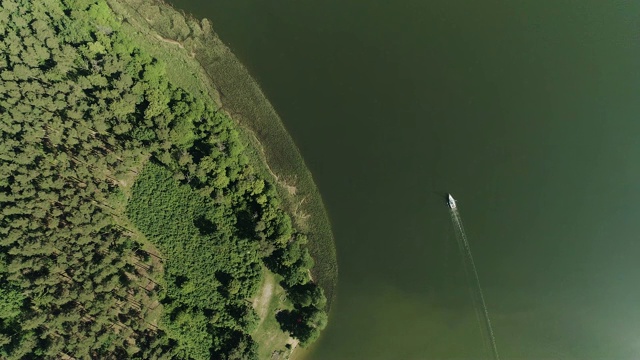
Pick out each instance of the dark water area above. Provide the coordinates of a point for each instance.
(526, 111)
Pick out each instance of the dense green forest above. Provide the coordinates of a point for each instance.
(132, 223)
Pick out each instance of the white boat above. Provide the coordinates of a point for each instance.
(451, 201)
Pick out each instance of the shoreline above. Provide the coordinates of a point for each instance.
(220, 76)
(197, 60)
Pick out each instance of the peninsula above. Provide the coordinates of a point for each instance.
(152, 204)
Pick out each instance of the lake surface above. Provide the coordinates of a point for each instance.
(526, 111)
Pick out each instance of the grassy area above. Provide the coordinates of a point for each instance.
(270, 299)
(198, 61)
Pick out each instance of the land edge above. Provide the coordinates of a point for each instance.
(286, 168)
(238, 95)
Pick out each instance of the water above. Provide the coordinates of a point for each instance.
(526, 110)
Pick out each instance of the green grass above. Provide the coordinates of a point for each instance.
(270, 338)
(202, 64)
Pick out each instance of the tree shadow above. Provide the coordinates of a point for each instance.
(204, 225)
(246, 225)
(200, 149)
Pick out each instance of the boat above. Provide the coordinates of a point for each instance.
(451, 201)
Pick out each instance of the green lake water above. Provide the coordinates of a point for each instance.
(528, 112)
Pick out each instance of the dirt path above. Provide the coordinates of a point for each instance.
(174, 42)
(262, 301)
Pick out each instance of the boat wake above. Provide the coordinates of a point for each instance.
(480, 306)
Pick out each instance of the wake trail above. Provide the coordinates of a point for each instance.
(473, 294)
(465, 249)
(471, 286)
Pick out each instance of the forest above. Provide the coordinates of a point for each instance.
(132, 223)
